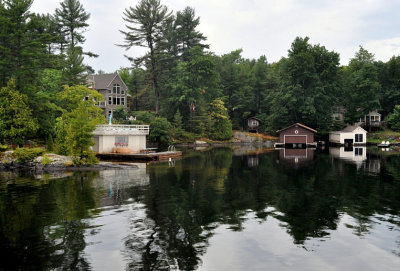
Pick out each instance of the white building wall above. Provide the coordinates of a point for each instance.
(334, 137)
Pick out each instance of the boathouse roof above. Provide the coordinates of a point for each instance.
(299, 125)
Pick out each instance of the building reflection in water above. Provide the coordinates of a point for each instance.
(252, 161)
(355, 155)
(116, 181)
(296, 157)
(358, 156)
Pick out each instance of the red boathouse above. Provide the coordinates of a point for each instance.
(297, 136)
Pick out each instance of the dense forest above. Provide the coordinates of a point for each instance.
(179, 86)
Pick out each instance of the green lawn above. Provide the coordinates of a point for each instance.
(385, 135)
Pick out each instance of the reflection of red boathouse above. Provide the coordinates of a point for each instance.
(296, 156)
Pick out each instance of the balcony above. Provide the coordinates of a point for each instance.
(116, 129)
(101, 104)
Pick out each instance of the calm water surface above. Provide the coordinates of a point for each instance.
(218, 209)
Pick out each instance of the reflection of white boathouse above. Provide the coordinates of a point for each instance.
(108, 137)
(356, 155)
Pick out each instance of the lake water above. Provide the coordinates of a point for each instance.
(217, 209)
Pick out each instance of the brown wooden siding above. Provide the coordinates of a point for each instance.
(292, 137)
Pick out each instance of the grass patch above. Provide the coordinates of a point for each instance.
(24, 155)
(385, 135)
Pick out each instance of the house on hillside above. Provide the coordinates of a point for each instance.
(351, 135)
(113, 89)
(252, 124)
(372, 119)
(296, 136)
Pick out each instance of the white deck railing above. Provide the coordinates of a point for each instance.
(116, 129)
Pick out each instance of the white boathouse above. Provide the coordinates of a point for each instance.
(120, 138)
(351, 135)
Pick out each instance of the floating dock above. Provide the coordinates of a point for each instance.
(154, 156)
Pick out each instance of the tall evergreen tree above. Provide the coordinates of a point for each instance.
(144, 29)
(187, 35)
(363, 87)
(72, 19)
(309, 85)
(22, 45)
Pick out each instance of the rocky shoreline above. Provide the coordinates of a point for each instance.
(53, 163)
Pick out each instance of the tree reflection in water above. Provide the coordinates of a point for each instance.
(212, 188)
(173, 211)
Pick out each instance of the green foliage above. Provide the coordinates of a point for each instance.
(72, 21)
(160, 131)
(4, 147)
(46, 160)
(16, 121)
(309, 85)
(50, 143)
(394, 119)
(24, 155)
(144, 24)
(75, 127)
(220, 125)
(88, 157)
(144, 117)
(119, 114)
(177, 125)
(362, 86)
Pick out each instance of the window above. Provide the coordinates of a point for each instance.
(122, 92)
(109, 100)
(109, 91)
(359, 138)
(358, 151)
(123, 101)
(121, 141)
(116, 89)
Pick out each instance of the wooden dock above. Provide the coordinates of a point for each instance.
(155, 156)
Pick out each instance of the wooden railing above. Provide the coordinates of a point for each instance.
(122, 129)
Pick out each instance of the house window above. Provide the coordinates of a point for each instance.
(359, 138)
(122, 140)
(122, 92)
(109, 100)
(116, 89)
(109, 91)
(358, 151)
(123, 101)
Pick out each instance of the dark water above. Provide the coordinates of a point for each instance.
(220, 209)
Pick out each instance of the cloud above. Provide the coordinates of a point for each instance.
(259, 27)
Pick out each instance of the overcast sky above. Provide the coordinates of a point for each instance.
(259, 27)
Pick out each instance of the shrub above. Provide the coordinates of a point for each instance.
(24, 155)
(46, 160)
(4, 147)
(160, 130)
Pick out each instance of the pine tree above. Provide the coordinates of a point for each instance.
(72, 19)
(145, 23)
(187, 35)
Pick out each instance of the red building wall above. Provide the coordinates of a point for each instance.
(293, 137)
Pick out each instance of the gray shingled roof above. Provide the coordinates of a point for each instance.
(102, 81)
(350, 129)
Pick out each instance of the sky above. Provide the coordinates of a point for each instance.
(258, 27)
